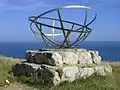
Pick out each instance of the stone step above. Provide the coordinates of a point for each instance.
(60, 73)
(63, 56)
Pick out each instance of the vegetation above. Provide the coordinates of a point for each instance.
(111, 82)
(5, 68)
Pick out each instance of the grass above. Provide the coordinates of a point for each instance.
(5, 68)
(111, 82)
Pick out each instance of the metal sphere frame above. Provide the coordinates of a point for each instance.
(83, 31)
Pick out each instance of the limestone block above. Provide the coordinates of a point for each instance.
(108, 69)
(86, 72)
(70, 73)
(100, 70)
(84, 58)
(95, 57)
(64, 56)
(69, 58)
(23, 69)
(50, 58)
(81, 50)
(57, 58)
(60, 73)
(50, 75)
(103, 70)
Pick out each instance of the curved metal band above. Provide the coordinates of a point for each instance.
(33, 18)
(83, 33)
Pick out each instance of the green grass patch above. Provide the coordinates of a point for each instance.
(5, 68)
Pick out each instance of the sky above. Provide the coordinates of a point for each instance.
(14, 23)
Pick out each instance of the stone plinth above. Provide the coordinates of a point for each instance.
(59, 65)
(63, 56)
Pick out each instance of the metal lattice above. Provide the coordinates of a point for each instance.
(83, 30)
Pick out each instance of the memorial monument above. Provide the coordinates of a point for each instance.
(62, 61)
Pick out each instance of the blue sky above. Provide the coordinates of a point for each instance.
(14, 24)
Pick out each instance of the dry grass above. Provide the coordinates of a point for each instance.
(5, 68)
(117, 63)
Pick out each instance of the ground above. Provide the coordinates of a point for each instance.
(111, 82)
(17, 86)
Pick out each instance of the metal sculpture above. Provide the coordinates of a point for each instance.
(82, 31)
(53, 32)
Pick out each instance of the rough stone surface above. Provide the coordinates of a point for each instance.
(57, 58)
(69, 73)
(95, 57)
(86, 72)
(23, 69)
(61, 65)
(64, 56)
(84, 58)
(69, 57)
(58, 74)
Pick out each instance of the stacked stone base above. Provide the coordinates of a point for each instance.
(61, 65)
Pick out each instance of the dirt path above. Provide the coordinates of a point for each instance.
(17, 86)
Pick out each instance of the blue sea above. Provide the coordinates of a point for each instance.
(109, 51)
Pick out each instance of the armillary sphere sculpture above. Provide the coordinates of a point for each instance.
(67, 37)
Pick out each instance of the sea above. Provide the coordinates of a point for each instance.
(109, 51)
